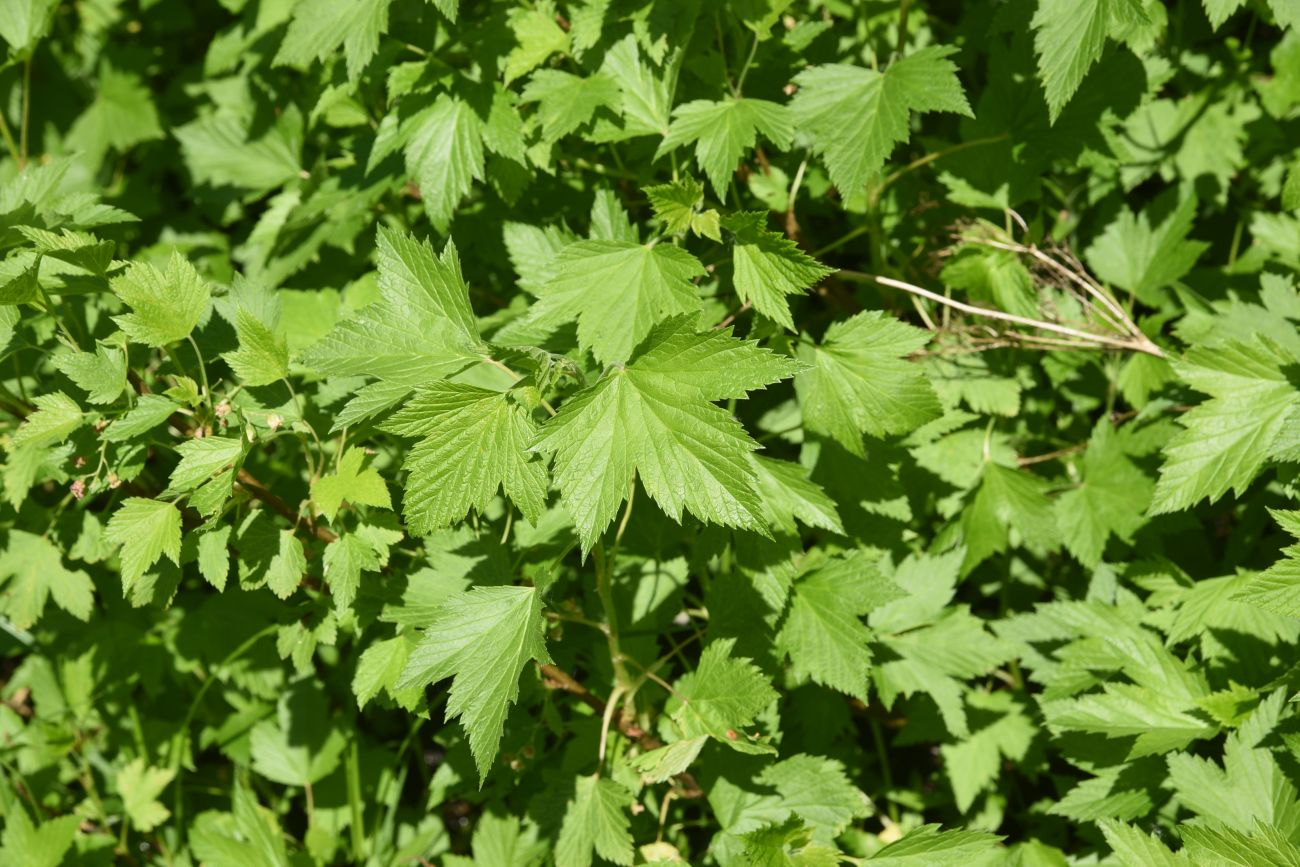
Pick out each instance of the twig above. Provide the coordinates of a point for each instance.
(1092, 338)
(261, 492)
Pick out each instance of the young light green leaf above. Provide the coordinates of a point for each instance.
(769, 266)
(54, 420)
(854, 117)
(201, 458)
(823, 634)
(596, 821)
(101, 374)
(165, 305)
(1226, 439)
(288, 565)
(420, 329)
(481, 639)
(476, 441)
(352, 484)
(140, 785)
(262, 357)
(859, 381)
(1142, 258)
(566, 101)
(31, 571)
(1111, 499)
(146, 530)
(617, 291)
(724, 132)
(320, 27)
(654, 419)
(445, 154)
(721, 698)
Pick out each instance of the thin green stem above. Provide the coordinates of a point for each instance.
(203, 370)
(922, 161)
(886, 773)
(27, 111)
(358, 827)
(604, 566)
(744, 70)
(9, 140)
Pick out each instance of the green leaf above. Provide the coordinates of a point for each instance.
(352, 484)
(445, 154)
(54, 420)
(769, 266)
(855, 117)
(320, 27)
(1277, 588)
(537, 37)
(1142, 258)
(1265, 847)
(24, 23)
(140, 785)
(149, 411)
(596, 820)
(1138, 848)
(345, 559)
(676, 203)
(122, 115)
(927, 845)
(379, 668)
(565, 102)
(788, 494)
(262, 357)
(721, 698)
(1112, 498)
(650, 283)
(250, 837)
(146, 530)
(654, 420)
(1250, 787)
(43, 845)
(420, 329)
(101, 374)
(476, 441)
(31, 571)
(1008, 499)
(819, 792)
(663, 763)
(976, 762)
(1068, 39)
(1291, 189)
(482, 640)
(214, 556)
(288, 565)
(202, 458)
(859, 381)
(165, 305)
(219, 151)
(1226, 439)
(723, 132)
(823, 634)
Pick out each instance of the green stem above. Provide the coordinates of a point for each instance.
(9, 140)
(920, 162)
(885, 772)
(354, 802)
(604, 566)
(203, 369)
(27, 111)
(744, 70)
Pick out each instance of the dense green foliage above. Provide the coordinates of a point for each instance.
(735, 432)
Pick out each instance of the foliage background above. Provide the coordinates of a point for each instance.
(379, 478)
